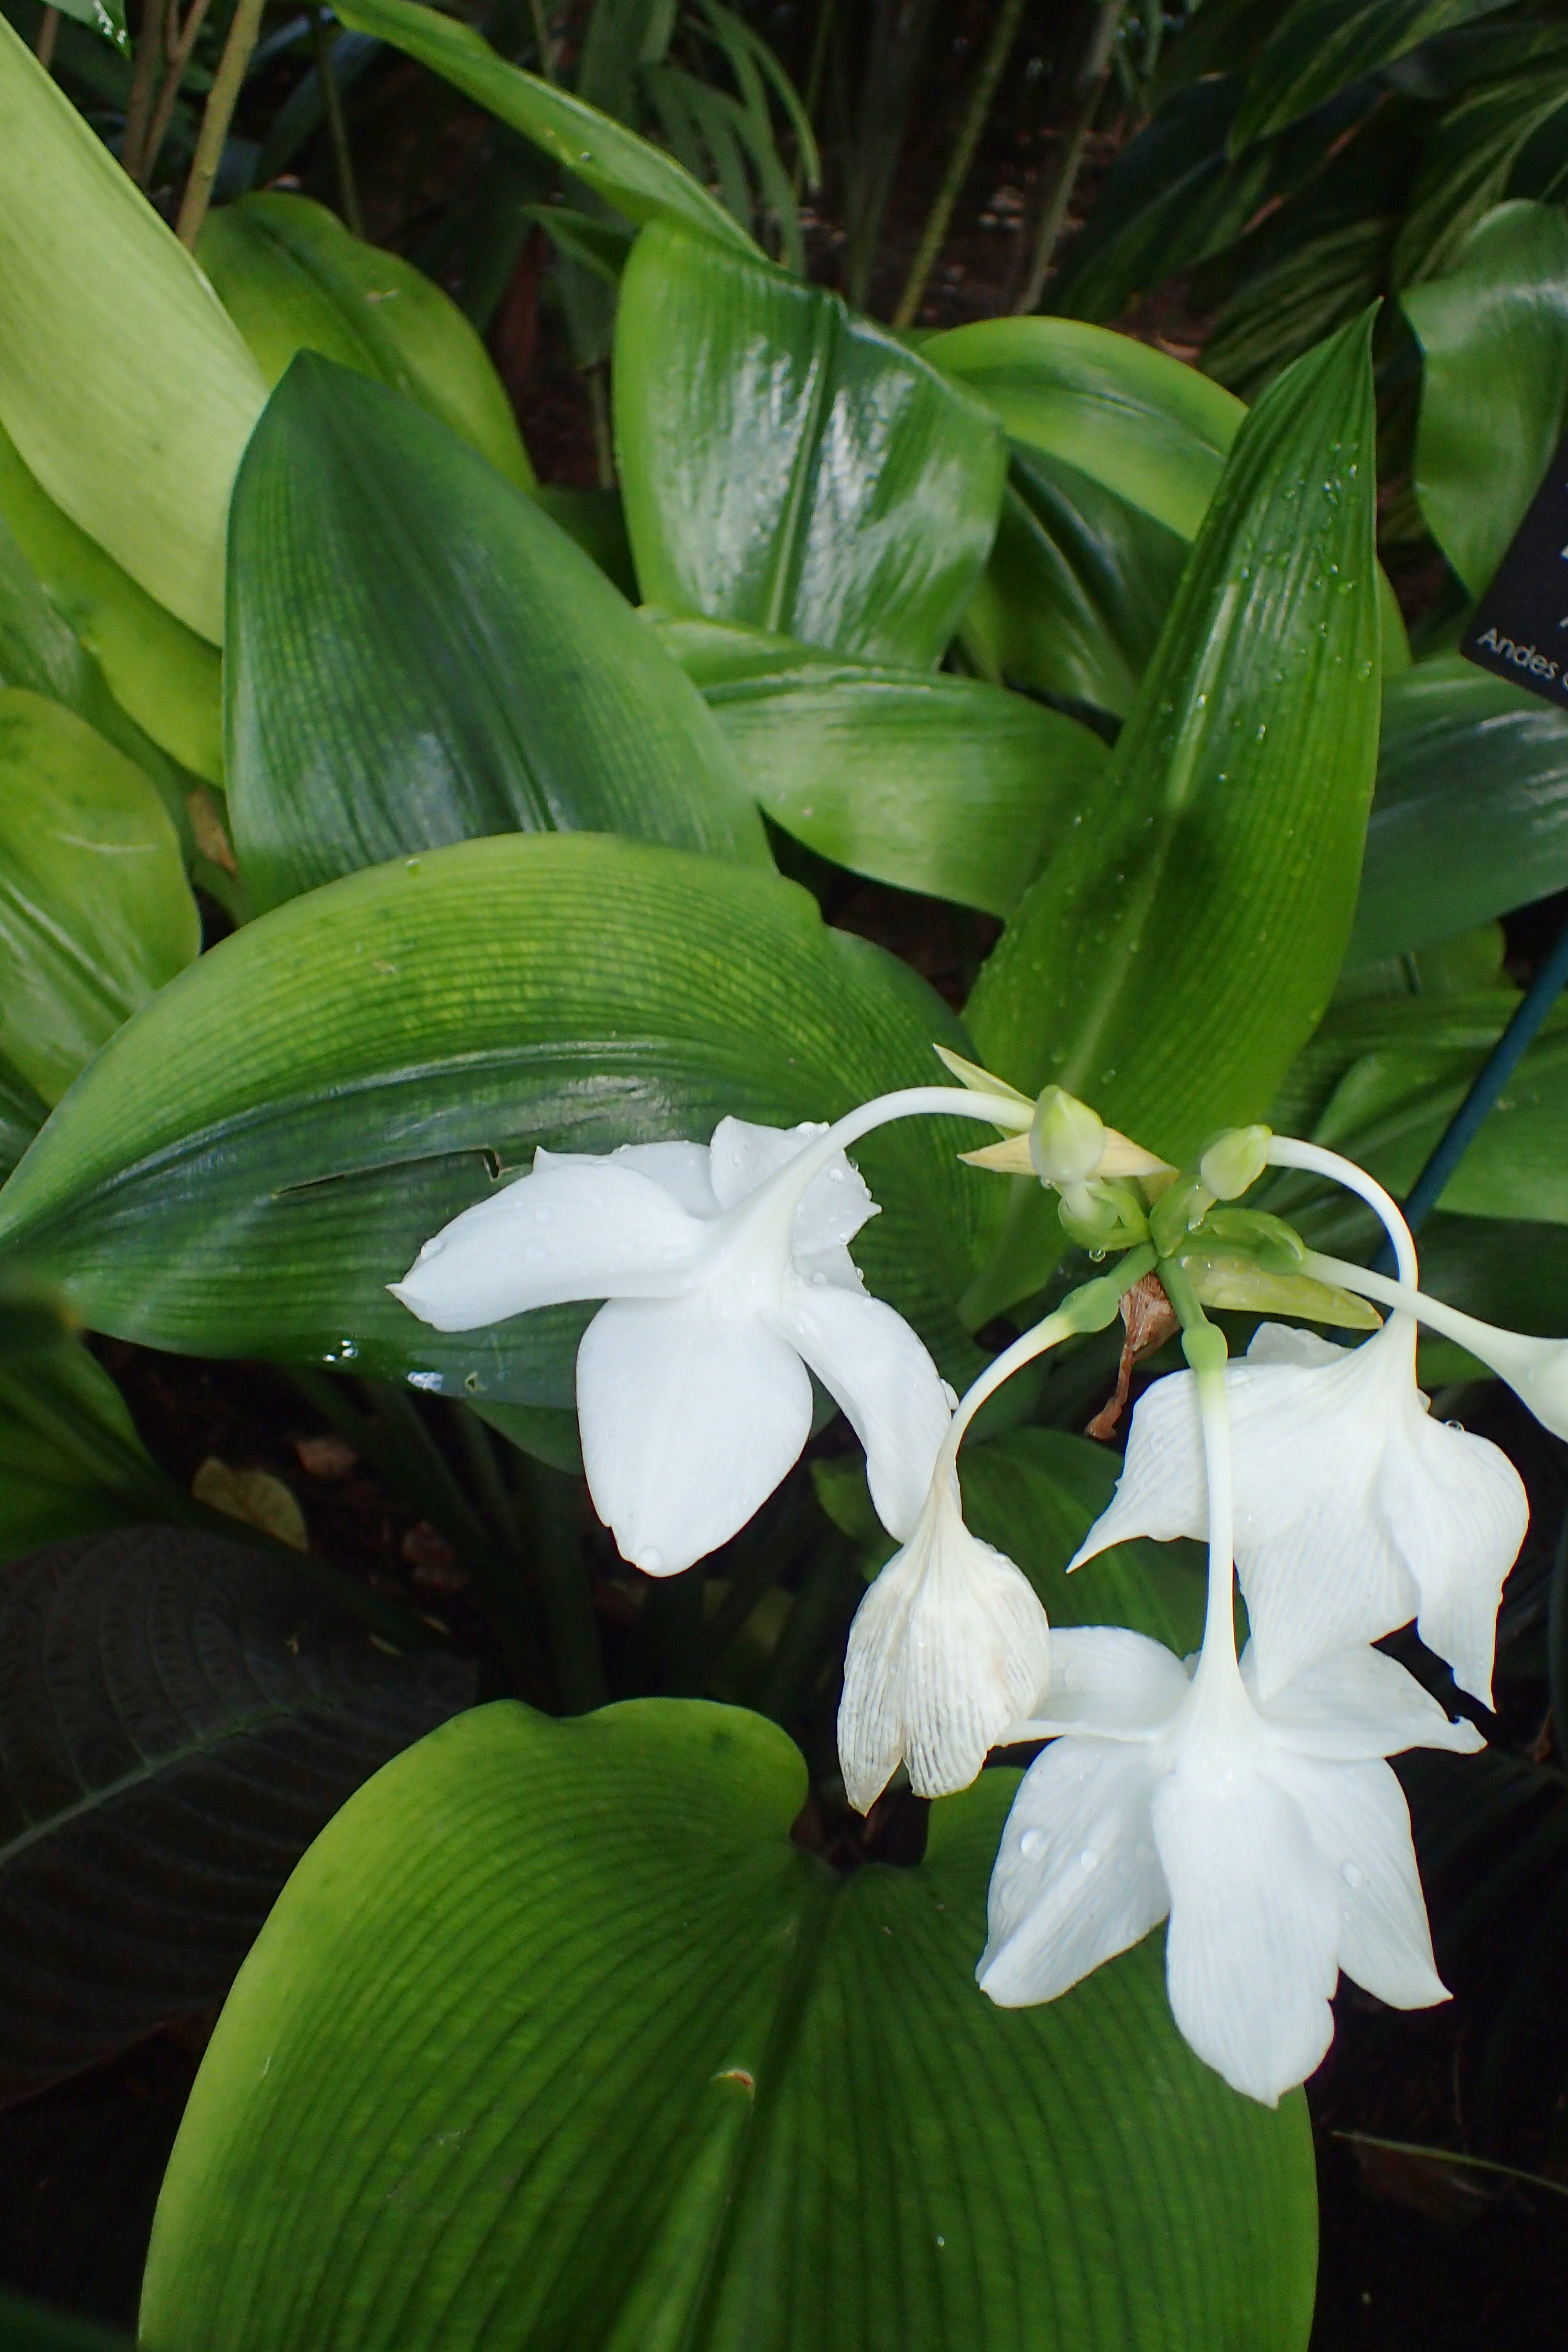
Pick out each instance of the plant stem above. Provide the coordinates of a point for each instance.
(169, 94)
(219, 113)
(541, 40)
(337, 127)
(1090, 85)
(604, 448)
(48, 34)
(143, 84)
(574, 1653)
(1004, 33)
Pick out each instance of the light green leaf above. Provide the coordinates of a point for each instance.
(639, 180)
(554, 2020)
(250, 1163)
(1319, 45)
(161, 674)
(790, 465)
(1179, 950)
(915, 777)
(125, 388)
(1470, 816)
(418, 655)
(1493, 331)
(292, 279)
(94, 912)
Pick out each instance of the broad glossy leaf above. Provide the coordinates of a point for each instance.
(418, 655)
(639, 180)
(123, 383)
(161, 674)
(1468, 159)
(932, 782)
(179, 1716)
(292, 279)
(1319, 45)
(1147, 426)
(1470, 816)
(250, 1163)
(555, 2021)
(1177, 952)
(788, 464)
(1493, 332)
(95, 914)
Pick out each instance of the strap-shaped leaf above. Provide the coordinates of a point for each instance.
(126, 389)
(1319, 45)
(178, 1719)
(556, 2021)
(420, 654)
(1493, 332)
(1468, 159)
(249, 1164)
(71, 1463)
(790, 465)
(21, 1113)
(1470, 816)
(1181, 946)
(637, 178)
(932, 782)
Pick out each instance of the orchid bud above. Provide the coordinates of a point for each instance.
(1235, 1160)
(1067, 1141)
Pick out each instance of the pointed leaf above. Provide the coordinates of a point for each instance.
(556, 2020)
(71, 1463)
(790, 465)
(125, 388)
(1319, 45)
(1468, 158)
(418, 655)
(249, 1165)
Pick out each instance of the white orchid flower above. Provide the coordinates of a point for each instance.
(1270, 1830)
(1354, 1510)
(726, 1271)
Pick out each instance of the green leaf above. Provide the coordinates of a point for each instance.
(915, 777)
(125, 388)
(1282, 308)
(554, 2020)
(248, 1166)
(21, 1113)
(105, 17)
(790, 465)
(1468, 161)
(1471, 817)
(292, 279)
(1147, 426)
(94, 912)
(418, 655)
(1036, 1493)
(70, 1460)
(1319, 45)
(161, 673)
(1181, 947)
(639, 180)
(179, 1718)
(35, 2327)
(1493, 332)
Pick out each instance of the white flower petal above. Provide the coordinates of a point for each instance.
(945, 1650)
(1460, 1512)
(1077, 1879)
(1360, 1824)
(1162, 1491)
(691, 1416)
(1284, 1343)
(683, 1170)
(1251, 1957)
(836, 1204)
(866, 1357)
(1355, 1705)
(1108, 1681)
(575, 1228)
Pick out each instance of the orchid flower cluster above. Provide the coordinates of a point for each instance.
(1247, 1799)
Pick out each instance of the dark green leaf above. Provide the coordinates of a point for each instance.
(417, 655)
(926, 780)
(1284, 308)
(35, 2328)
(70, 1460)
(638, 179)
(599, 246)
(1180, 948)
(789, 466)
(244, 1170)
(178, 1719)
(21, 1113)
(1493, 332)
(1466, 167)
(555, 2021)
(1319, 45)
(1471, 817)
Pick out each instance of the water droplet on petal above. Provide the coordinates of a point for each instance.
(1353, 1875)
(1088, 1859)
(1030, 1843)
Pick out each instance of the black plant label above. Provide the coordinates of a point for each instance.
(1520, 625)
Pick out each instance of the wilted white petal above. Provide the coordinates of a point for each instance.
(945, 1650)
(1162, 1491)
(1108, 1681)
(690, 1415)
(1461, 1511)
(1357, 1705)
(1360, 1822)
(1077, 1878)
(1251, 1957)
(575, 1228)
(868, 1357)
(836, 1204)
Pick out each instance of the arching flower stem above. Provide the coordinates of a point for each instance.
(1286, 1151)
